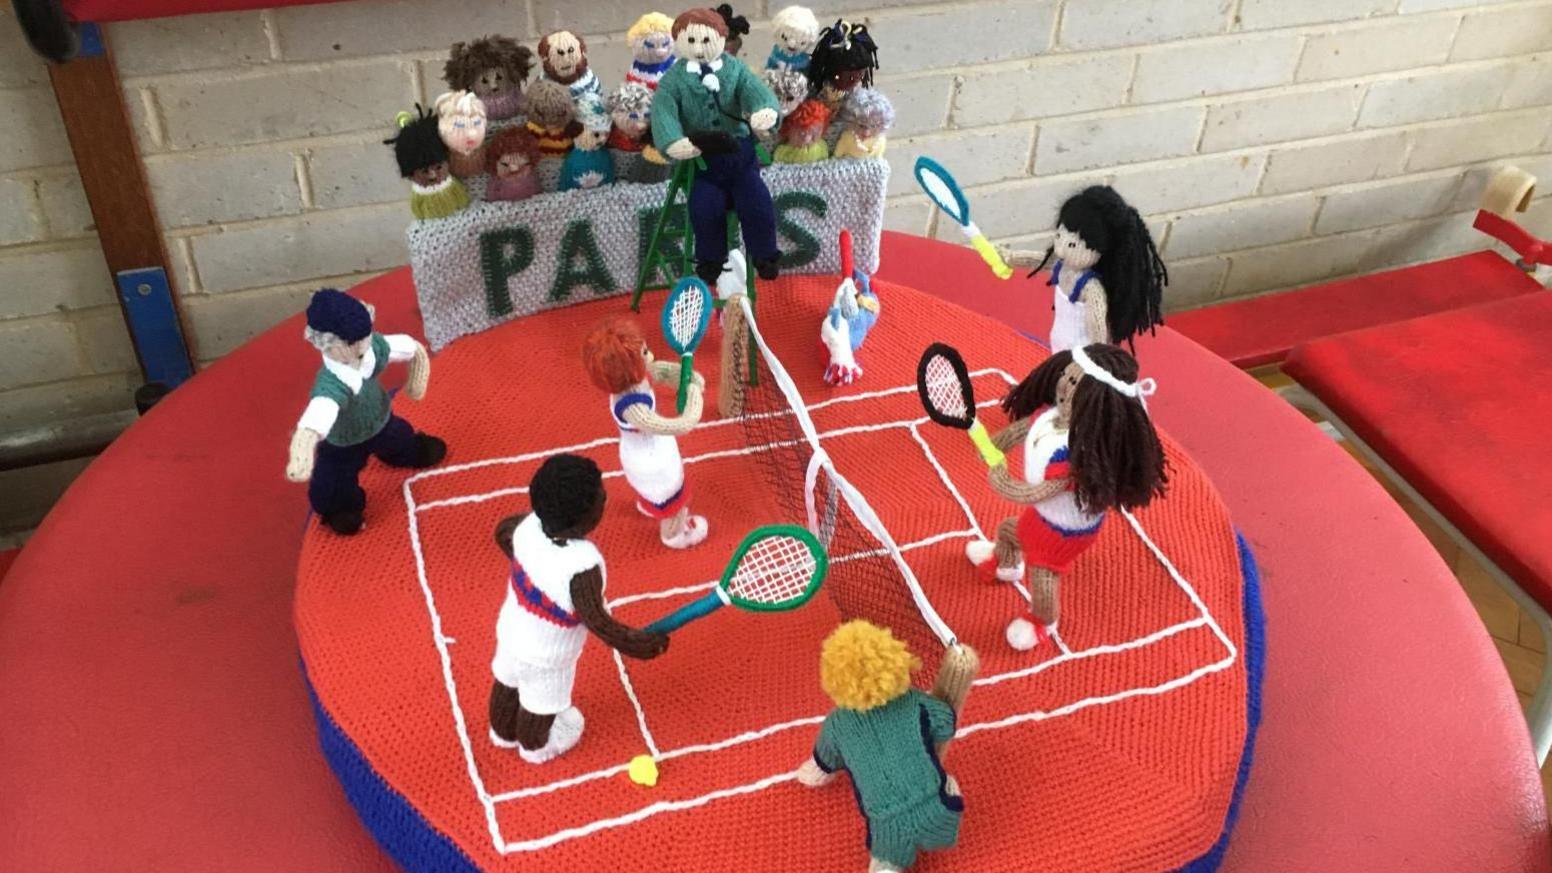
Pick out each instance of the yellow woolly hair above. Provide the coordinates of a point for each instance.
(652, 22)
(862, 666)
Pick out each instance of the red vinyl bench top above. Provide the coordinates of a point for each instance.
(1262, 330)
(1460, 404)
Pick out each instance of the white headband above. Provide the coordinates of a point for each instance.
(1142, 389)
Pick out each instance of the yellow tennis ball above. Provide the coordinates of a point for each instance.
(643, 770)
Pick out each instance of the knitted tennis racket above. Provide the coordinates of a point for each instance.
(944, 191)
(776, 568)
(944, 385)
(685, 317)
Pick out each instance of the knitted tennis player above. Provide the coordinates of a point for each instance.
(422, 157)
(706, 105)
(349, 418)
(1107, 279)
(889, 737)
(555, 597)
(618, 361)
(1092, 450)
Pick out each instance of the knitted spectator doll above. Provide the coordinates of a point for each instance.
(802, 135)
(512, 165)
(349, 418)
(588, 164)
(852, 314)
(651, 42)
(844, 58)
(618, 361)
(552, 118)
(737, 28)
(790, 88)
(422, 157)
(796, 32)
(700, 109)
(866, 115)
(554, 598)
(1093, 450)
(563, 58)
(495, 68)
(461, 121)
(630, 108)
(889, 738)
(1107, 280)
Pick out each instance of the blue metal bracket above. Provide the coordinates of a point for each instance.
(153, 319)
(91, 40)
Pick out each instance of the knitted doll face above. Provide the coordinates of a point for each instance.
(700, 42)
(591, 138)
(1066, 388)
(462, 131)
(349, 354)
(493, 82)
(842, 83)
(803, 135)
(869, 126)
(563, 55)
(632, 121)
(796, 38)
(512, 164)
(431, 176)
(653, 48)
(1073, 251)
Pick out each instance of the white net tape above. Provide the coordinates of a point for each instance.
(776, 569)
(944, 390)
(685, 317)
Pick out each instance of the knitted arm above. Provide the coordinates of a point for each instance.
(756, 101)
(648, 421)
(820, 766)
(1095, 317)
(420, 373)
(587, 597)
(1020, 491)
(667, 373)
(667, 129)
(299, 464)
(1021, 259)
(955, 674)
(1011, 435)
(504, 529)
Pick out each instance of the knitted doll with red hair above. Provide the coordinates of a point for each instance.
(803, 135)
(512, 162)
(618, 361)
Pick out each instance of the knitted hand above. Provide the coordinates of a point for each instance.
(1019, 491)
(762, 120)
(420, 373)
(809, 774)
(1011, 435)
(299, 466)
(641, 645)
(682, 149)
(1020, 259)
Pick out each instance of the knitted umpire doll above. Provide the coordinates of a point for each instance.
(422, 157)
(889, 737)
(1107, 280)
(844, 59)
(461, 121)
(563, 59)
(588, 164)
(349, 417)
(495, 68)
(866, 116)
(618, 361)
(554, 598)
(1092, 450)
(796, 32)
(512, 165)
(651, 42)
(700, 109)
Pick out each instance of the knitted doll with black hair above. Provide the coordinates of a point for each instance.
(554, 598)
(495, 68)
(422, 157)
(844, 58)
(737, 28)
(349, 418)
(797, 30)
(1107, 280)
(1092, 450)
(708, 105)
(889, 737)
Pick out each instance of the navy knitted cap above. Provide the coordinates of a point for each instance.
(339, 313)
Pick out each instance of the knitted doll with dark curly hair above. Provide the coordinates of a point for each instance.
(1107, 280)
(1091, 451)
(737, 28)
(512, 165)
(844, 59)
(554, 599)
(495, 68)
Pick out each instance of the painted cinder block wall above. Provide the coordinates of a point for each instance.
(1271, 143)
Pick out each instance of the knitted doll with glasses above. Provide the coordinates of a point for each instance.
(797, 30)
(651, 42)
(554, 599)
(889, 737)
(618, 361)
(563, 59)
(802, 135)
(1092, 450)
(349, 418)
(461, 121)
(422, 157)
(512, 165)
(1107, 280)
(844, 59)
(866, 115)
(495, 68)
(588, 164)
(706, 105)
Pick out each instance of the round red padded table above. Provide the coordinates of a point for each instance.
(155, 717)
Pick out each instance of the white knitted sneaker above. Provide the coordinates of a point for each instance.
(565, 733)
(499, 743)
(692, 534)
(983, 555)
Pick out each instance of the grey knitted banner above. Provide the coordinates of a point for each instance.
(496, 261)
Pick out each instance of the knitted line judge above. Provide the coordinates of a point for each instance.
(554, 599)
(700, 110)
(349, 417)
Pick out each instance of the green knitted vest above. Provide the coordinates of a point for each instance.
(889, 751)
(362, 414)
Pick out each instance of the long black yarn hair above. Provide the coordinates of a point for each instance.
(1114, 453)
(842, 47)
(1129, 266)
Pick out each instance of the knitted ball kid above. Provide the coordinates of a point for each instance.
(461, 121)
(889, 737)
(511, 165)
(618, 361)
(495, 68)
(349, 418)
(802, 135)
(422, 157)
(1092, 450)
(852, 314)
(651, 42)
(554, 598)
(796, 32)
(588, 164)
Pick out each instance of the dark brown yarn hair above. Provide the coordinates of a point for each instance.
(467, 60)
(1114, 453)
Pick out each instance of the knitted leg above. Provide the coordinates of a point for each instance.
(532, 730)
(398, 445)
(1009, 551)
(1043, 599)
(333, 490)
(708, 218)
(878, 866)
(756, 211)
(504, 706)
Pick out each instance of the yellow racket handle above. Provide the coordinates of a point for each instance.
(983, 442)
(991, 256)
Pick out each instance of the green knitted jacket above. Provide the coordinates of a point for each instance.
(682, 105)
(362, 414)
(890, 751)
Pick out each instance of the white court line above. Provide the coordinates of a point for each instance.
(641, 717)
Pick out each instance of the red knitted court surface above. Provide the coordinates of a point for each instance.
(1120, 754)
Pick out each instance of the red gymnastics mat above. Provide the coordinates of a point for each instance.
(1121, 748)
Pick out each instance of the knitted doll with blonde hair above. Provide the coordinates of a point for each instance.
(889, 737)
(651, 42)
(495, 68)
(1092, 450)
(796, 32)
(802, 135)
(618, 361)
(461, 121)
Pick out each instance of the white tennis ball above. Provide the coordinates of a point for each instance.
(1021, 634)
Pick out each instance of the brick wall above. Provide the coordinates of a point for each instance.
(1270, 142)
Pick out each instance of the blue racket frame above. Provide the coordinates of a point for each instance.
(686, 352)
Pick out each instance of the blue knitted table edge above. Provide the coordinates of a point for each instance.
(415, 845)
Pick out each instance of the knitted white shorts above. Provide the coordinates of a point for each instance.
(542, 689)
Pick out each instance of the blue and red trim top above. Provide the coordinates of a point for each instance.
(537, 602)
